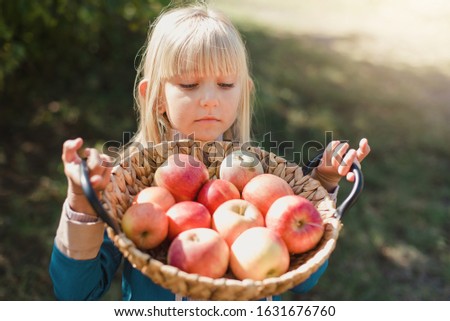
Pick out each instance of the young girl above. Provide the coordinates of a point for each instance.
(193, 82)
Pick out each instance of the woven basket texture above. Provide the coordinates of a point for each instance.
(136, 172)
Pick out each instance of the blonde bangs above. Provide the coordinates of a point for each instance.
(202, 47)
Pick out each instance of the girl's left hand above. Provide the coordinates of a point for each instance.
(336, 162)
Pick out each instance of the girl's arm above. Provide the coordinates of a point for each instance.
(84, 279)
(83, 262)
(79, 236)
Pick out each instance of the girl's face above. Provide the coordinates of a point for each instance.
(203, 106)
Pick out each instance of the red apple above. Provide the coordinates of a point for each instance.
(234, 217)
(145, 224)
(297, 221)
(259, 253)
(239, 168)
(156, 195)
(201, 251)
(183, 175)
(216, 192)
(265, 189)
(187, 215)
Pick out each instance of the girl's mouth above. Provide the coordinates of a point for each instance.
(207, 119)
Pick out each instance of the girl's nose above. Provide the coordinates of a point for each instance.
(209, 97)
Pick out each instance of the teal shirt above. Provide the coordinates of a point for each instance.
(89, 279)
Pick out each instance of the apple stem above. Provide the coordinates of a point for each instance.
(194, 238)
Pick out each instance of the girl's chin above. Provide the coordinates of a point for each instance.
(204, 137)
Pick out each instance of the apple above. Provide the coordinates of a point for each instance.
(265, 189)
(146, 225)
(297, 221)
(259, 253)
(183, 175)
(187, 215)
(234, 217)
(216, 192)
(201, 251)
(156, 195)
(239, 168)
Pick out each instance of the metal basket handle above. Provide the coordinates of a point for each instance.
(93, 199)
(357, 188)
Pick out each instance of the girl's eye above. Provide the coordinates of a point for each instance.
(188, 86)
(226, 85)
(195, 85)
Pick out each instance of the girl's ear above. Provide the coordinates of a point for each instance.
(162, 107)
(143, 87)
(250, 84)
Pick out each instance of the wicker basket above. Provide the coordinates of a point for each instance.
(137, 172)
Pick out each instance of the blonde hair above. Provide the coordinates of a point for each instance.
(193, 40)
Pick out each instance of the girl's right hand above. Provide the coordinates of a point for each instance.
(99, 174)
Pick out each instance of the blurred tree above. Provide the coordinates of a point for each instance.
(59, 58)
(66, 70)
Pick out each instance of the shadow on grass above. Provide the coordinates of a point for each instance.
(394, 244)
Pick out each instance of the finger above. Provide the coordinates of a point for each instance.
(94, 162)
(99, 167)
(70, 148)
(339, 154)
(107, 166)
(96, 181)
(98, 160)
(350, 177)
(100, 181)
(347, 162)
(363, 150)
(331, 147)
(107, 161)
(92, 157)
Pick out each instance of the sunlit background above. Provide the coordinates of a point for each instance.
(364, 68)
(399, 33)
